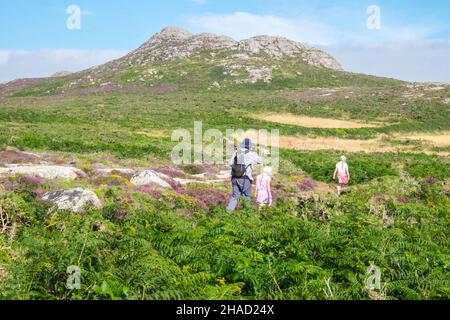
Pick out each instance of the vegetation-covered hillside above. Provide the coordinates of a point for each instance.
(147, 242)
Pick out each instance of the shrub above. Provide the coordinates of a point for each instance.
(150, 190)
(306, 185)
(31, 180)
(193, 169)
(170, 172)
(13, 213)
(402, 199)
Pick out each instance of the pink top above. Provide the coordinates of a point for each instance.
(342, 169)
(263, 189)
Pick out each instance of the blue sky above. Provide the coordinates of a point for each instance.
(412, 44)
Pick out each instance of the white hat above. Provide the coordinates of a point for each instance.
(344, 158)
(268, 171)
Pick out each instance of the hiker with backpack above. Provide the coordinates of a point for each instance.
(242, 164)
(342, 173)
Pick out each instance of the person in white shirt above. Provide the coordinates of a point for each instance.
(342, 173)
(242, 164)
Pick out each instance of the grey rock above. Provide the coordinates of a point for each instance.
(149, 177)
(175, 43)
(73, 200)
(44, 171)
(62, 73)
(274, 46)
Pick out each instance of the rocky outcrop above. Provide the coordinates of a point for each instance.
(62, 73)
(175, 43)
(257, 74)
(149, 177)
(73, 200)
(43, 171)
(273, 46)
(318, 58)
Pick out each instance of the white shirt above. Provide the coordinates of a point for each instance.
(342, 167)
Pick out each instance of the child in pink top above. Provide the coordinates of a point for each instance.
(342, 173)
(263, 188)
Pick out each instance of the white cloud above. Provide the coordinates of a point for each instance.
(42, 63)
(403, 33)
(420, 60)
(4, 57)
(385, 34)
(320, 31)
(241, 25)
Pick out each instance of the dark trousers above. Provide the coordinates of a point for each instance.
(242, 187)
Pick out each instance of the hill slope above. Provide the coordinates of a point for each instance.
(175, 56)
(95, 134)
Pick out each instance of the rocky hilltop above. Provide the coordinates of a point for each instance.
(175, 43)
(175, 59)
(61, 73)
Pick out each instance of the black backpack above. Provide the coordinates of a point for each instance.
(238, 170)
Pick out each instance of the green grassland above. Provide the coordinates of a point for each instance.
(395, 216)
(110, 122)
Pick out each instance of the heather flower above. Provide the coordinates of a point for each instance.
(213, 198)
(402, 199)
(380, 197)
(206, 199)
(170, 172)
(306, 185)
(39, 192)
(431, 181)
(154, 193)
(31, 180)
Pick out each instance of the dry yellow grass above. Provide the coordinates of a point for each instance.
(437, 140)
(378, 144)
(154, 133)
(306, 143)
(323, 143)
(320, 143)
(310, 122)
